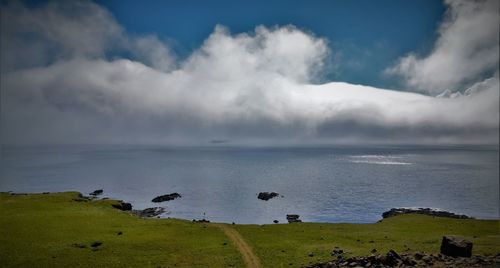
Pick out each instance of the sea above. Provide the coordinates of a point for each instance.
(220, 182)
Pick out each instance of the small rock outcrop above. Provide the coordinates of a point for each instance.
(123, 206)
(267, 195)
(149, 212)
(166, 197)
(456, 247)
(201, 221)
(424, 211)
(97, 192)
(291, 218)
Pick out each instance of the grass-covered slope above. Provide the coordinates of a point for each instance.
(280, 245)
(41, 230)
(53, 230)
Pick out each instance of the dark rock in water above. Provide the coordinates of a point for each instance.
(456, 247)
(423, 211)
(167, 197)
(149, 212)
(276, 221)
(267, 195)
(123, 206)
(97, 192)
(292, 218)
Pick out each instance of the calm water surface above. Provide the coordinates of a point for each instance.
(334, 184)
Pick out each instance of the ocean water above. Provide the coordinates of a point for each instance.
(220, 183)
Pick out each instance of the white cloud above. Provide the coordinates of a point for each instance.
(246, 87)
(467, 49)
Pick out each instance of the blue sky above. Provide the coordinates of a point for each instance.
(365, 36)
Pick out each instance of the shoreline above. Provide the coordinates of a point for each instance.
(58, 229)
(159, 211)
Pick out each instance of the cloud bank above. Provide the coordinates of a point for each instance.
(81, 78)
(467, 48)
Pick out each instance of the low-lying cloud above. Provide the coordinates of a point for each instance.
(247, 87)
(467, 48)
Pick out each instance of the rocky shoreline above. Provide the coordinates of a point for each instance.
(424, 211)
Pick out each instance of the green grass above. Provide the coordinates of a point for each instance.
(40, 230)
(282, 244)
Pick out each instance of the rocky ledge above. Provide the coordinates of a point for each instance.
(424, 211)
(148, 212)
(123, 206)
(393, 259)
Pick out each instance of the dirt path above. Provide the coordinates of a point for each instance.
(250, 259)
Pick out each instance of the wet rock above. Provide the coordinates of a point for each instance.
(424, 211)
(97, 192)
(267, 195)
(123, 206)
(456, 247)
(149, 212)
(291, 218)
(166, 197)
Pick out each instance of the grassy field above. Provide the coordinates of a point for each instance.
(43, 230)
(285, 244)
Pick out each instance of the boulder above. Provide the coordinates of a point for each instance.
(292, 218)
(392, 258)
(166, 197)
(456, 247)
(123, 206)
(267, 195)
